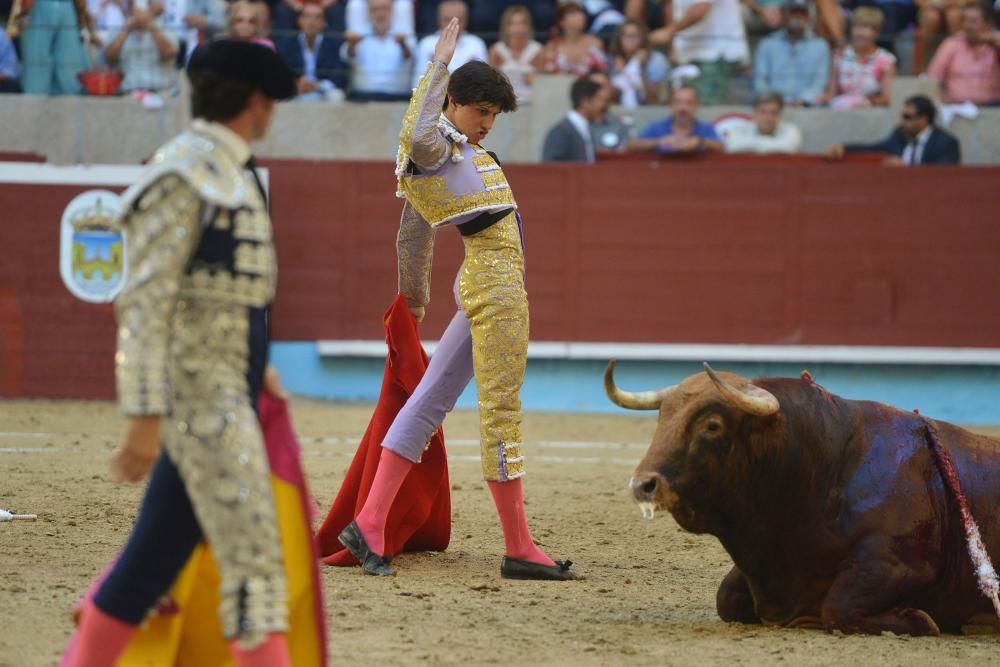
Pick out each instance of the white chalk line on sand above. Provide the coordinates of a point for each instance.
(340, 440)
(28, 450)
(456, 443)
(466, 442)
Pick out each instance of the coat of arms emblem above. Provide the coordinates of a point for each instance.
(92, 247)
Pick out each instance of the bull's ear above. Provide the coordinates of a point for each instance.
(807, 376)
(751, 398)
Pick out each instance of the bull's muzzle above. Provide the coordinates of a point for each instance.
(651, 491)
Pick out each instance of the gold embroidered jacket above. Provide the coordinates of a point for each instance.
(444, 179)
(191, 320)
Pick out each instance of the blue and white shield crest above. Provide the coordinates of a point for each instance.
(92, 257)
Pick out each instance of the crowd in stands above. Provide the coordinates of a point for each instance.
(839, 54)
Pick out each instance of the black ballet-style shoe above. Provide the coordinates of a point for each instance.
(515, 568)
(371, 562)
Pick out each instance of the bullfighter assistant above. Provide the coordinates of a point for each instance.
(192, 352)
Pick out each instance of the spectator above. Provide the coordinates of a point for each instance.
(654, 13)
(264, 23)
(426, 16)
(711, 35)
(636, 71)
(609, 132)
(967, 66)
(286, 14)
(517, 54)
(381, 61)
(315, 59)
(192, 22)
(792, 61)
(571, 50)
(51, 50)
(486, 15)
(605, 17)
(767, 133)
(358, 22)
(144, 52)
(916, 141)
(244, 21)
(469, 46)
(897, 15)
(764, 16)
(682, 132)
(107, 17)
(863, 71)
(570, 139)
(10, 68)
(935, 17)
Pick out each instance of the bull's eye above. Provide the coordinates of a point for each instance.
(713, 427)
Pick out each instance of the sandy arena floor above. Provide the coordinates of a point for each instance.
(648, 597)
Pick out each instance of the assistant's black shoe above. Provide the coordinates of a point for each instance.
(515, 568)
(371, 562)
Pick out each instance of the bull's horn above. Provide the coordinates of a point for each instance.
(640, 400)
(750, 399)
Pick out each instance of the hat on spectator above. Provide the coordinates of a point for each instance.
(795, 6)
(247, 62)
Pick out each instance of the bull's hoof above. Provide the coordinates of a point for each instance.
(981, 624)
(920, 623)
(805, 623)
(733, 601)
(900, 621)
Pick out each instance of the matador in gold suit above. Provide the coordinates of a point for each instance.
(448, 179)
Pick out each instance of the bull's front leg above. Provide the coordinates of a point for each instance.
(733, 601)
(864, 595)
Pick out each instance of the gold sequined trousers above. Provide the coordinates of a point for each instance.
(214, 439)
(491, 293)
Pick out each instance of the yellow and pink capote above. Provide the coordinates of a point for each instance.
(184, 629)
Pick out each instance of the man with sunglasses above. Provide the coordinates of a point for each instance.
(915, 141)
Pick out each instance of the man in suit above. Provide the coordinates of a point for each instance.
(315, 58)
(915, 141)
(570, 139)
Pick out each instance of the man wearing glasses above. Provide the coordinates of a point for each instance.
(915, 141)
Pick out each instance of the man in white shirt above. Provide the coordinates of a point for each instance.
(469, 46)
(570, 140)
(381, 61)
(358, 22)
(711, 35)
(144, 52)
(767, 133)
(192, 22)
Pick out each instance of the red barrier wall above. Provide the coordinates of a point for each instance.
(630, 251)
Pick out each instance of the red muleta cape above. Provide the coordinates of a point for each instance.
(420, 517)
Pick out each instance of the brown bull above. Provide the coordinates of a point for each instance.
(834, 511)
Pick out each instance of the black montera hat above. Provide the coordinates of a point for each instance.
(249, 62)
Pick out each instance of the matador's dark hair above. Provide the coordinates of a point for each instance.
(476, 81)
(216, 98)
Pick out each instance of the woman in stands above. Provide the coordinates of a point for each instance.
(862, 72)
(572, 50)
